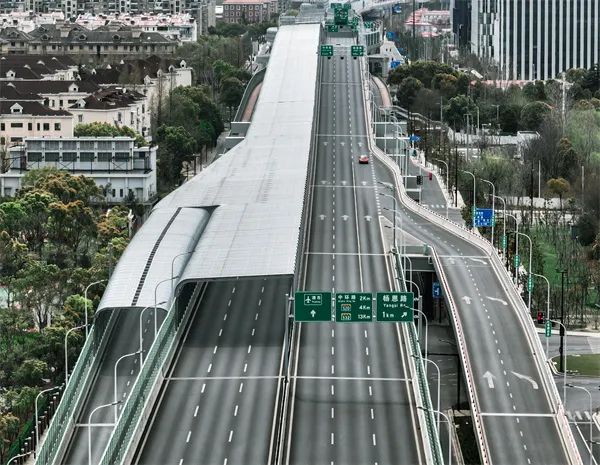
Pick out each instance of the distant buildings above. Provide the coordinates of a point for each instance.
(528, 40)
(123, 170)
(250, 11)
(428, 23)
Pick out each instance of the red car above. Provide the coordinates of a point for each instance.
(363, 159)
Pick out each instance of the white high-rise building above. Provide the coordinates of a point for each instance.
(536, 39)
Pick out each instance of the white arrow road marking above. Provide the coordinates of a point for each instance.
(344, 182)
(360, 144)
(479, 260)
(534, 385)
(345, 217)
(342, 143)
(364, 183)
(322, 217)
(490, 379)
(503, 302)
(466, 300)
(325, 143)
(323, 182)
(368, 218)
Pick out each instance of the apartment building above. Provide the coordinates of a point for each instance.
(250, 11)
(528, 40)
(123, 170)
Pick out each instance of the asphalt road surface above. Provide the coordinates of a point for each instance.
(351, 403)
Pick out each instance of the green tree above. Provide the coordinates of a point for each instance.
(457, 108)
(560, 187)
(509, 117)
(587, 227)
(407, 91)
(31, 372)
(175, 145)
(62, 185)
(232, 90)
(533, 114)
(98, 129)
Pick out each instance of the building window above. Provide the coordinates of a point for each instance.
(122, 156)
(104, 156)
(69, 156)
(16, 125)
(121, 193)
(119, 116)
(57, 126)
(113, 192)
(46, 126)
(34, 156)
(2, 127)
(86, 156)
(52, 156)
(30, 126)
(80, 118)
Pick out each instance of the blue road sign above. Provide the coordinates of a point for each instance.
(483, 218)
(390, 35)
(397, 8)
(414, 138)
(394, 64)
(436, 290)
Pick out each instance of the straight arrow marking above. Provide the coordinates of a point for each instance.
(490, 379)
(466, 300)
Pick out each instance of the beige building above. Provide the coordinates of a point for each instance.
(250, 11)
(30, 118)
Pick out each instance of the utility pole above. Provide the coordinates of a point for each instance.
(414, 41)
(562, 320)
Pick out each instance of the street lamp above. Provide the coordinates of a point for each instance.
(449, 430)
(85, 300)
(565, 363)
(474, 193)
(591, 440)
(18, 456)
(37, 423)
(439, 384)
(155, 298)
(173, 265)
(529, 286)
(141, 319)
(90, 427)
(547, 306)
(503, 220)
(122, 357)
(67, 352)
(447, 185)
(493, 207)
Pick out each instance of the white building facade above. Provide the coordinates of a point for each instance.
(536, 39)
(116, 165)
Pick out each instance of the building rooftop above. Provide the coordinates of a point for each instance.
(135, 70)
(29, 107)
(107, 99)
(79, 34)
(9, 92)
(53, 86)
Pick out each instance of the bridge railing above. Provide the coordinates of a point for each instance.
(254, 81)
(135, 407)
(75, 390)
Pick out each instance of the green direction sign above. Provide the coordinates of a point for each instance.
(326, 50)
(333, 28)
(357, 50)
(353, 307)
(395, 306)
(530, 283)
(504, 242)
(517, 261)
(312, 306)
(548, 328)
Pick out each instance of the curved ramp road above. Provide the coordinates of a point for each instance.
(217, 406)
(350, 401)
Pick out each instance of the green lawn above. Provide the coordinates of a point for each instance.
(587, 365)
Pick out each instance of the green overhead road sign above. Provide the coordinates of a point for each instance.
(312, 306)
(357, 50)
(353, 307)
(517, 261)
(326, 50)
(530, 283)
(395, 306)
(548, 328)
(340, 16)
(333, 28)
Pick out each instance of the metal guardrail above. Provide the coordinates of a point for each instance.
(254, 81)
(75, 390)
(135, 405)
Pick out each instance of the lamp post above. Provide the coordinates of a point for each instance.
(503, 220)
(37, 422)
(447, 186)
(529, 287)
(122, 357)
(439, 384)
(155, 298)
(449, 430)
(565, 363)
(141, 320)
(18, 456)
(89, 427)
(85, 303)
(474, 194)
(67, 351)
(591, 440)
(493, 207)
(173, 265)
(547, 305)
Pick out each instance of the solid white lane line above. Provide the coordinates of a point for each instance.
(235, 411)
(188, 436)
(196, 411)
(230, 435)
